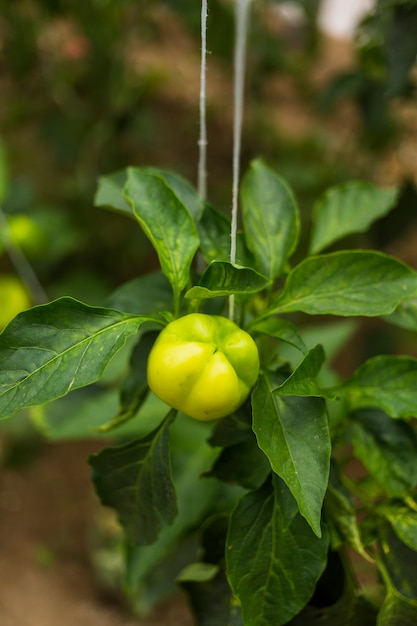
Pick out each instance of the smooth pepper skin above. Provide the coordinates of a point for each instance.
(203, 365)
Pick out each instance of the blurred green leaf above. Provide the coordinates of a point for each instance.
(348, 208)
(385, 382)
(403, 521)
(148, 294)
(397, 611)
(281, 329)
(387, 448)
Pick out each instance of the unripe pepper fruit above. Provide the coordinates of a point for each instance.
(203, 365)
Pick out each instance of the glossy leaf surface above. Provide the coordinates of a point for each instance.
(49, 350)
(270, 219)
(293, 433)
(273, 558)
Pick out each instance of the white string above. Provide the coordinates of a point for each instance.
(202, 142)
(242, 11)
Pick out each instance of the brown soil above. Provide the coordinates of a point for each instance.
(46, 522)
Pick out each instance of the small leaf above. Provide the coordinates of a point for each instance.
(387, 448)
(302, 381)
(281, 329)
(49, 350)
(405, 315)
(110, 192)
(346, 283)
(224, 279)
(166, 222)
(135, 480)
(270, 218)
(388, 383)
(273, 559)
(293, 433)
(348, 208)
(198, 572)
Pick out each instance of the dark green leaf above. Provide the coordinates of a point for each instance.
(149, 294)
(135, 386)
(166, 222)
(224, 279)
(273, 558)
(270, 219)
(350, 207)
(135, 480)
(49, 350)
(387, 448)
(293, 433)
(388, 383)
(243, 464)
(399, 561)
(346, 283)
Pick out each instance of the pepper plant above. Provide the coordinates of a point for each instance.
(255, 512)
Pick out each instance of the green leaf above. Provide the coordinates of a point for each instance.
(293, 433)
(270, 218)
(405, 315)
(346, 283)
(149, 294)
(399, 562)
(341, 517)
(49, 350)
(397, 611)
(135, 386)
(387, 448)
(242, 463)
(403, 521)
(302, 381)
(135, 480)
(388, 383)
(111, 186)
(273, 559)
(110, 192)
(214, 229)
(166, 222)
(281, 329)
(223, 279)
(348, 208)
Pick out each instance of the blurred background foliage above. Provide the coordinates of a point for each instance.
(89, 87)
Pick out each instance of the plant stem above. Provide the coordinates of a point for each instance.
(21, 264)
(202, 142)
(242, 11)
